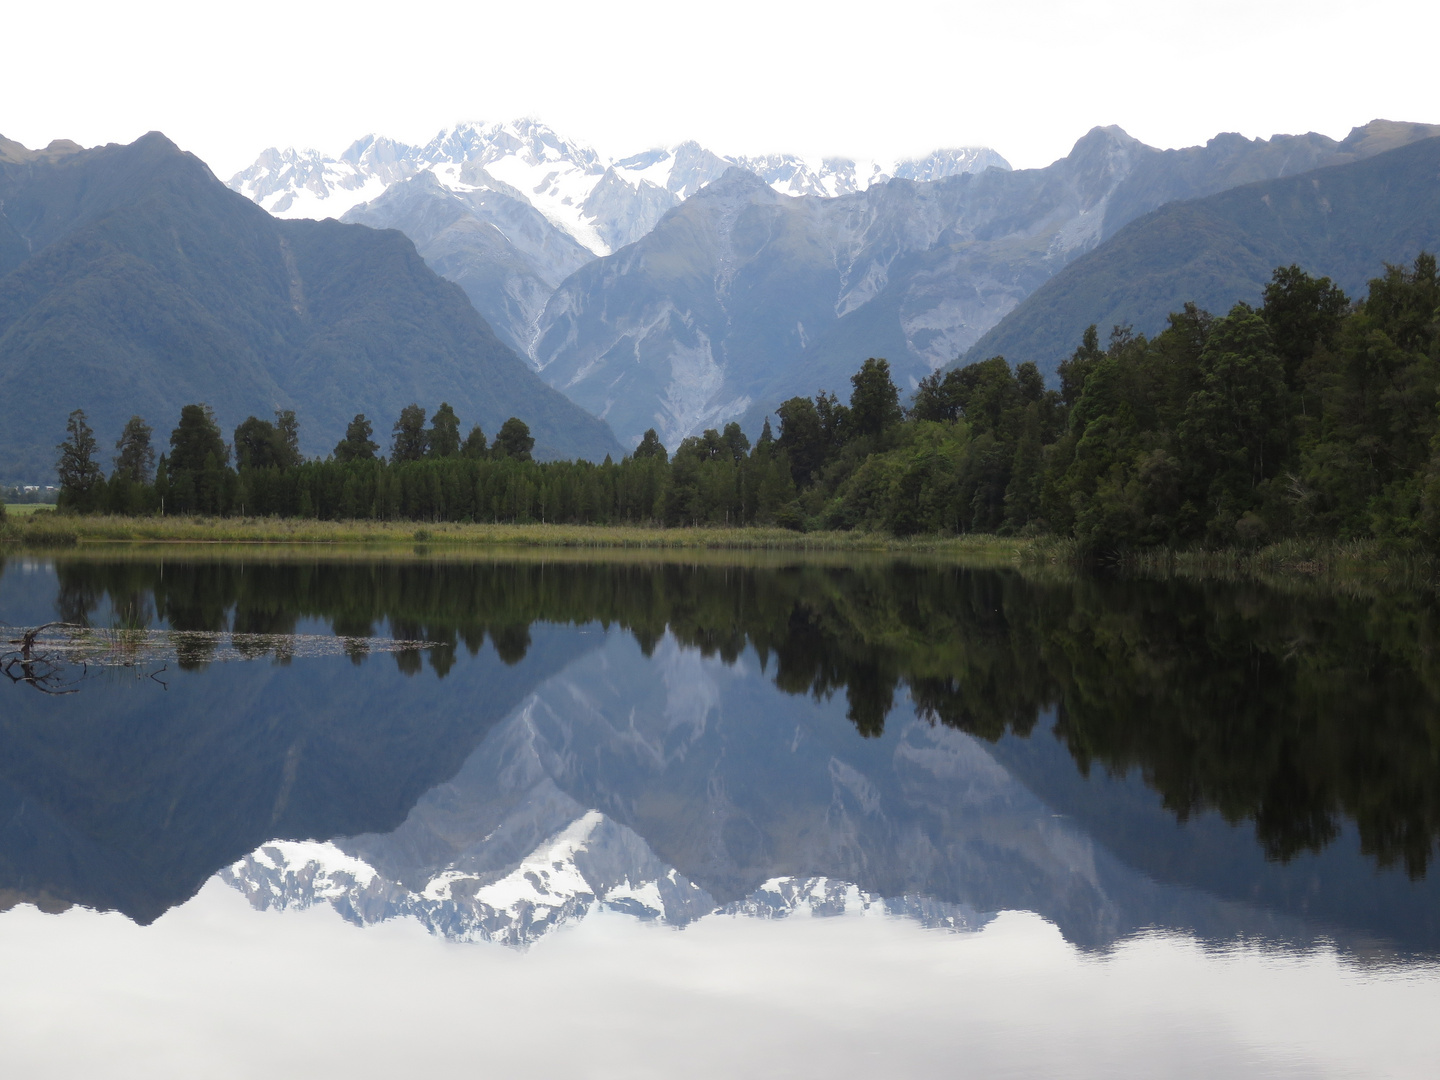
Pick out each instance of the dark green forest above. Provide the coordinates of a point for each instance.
(1310, 416)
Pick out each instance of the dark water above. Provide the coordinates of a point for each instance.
(968, 821)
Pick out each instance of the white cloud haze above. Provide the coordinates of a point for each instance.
(871, 79)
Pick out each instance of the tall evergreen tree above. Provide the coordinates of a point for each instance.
(767, 437)
(194, 438)
(474, 446)
(135, 460)
(651, 448)
(514, 440)
(408, 442)
(288, 429)
(874, 399)
(444, 437)
(357, 445)
(79, 475)
(802, 439)
(736, 441)
(1073, 372)
(1234, 431)
(835, 426)
(259, 445)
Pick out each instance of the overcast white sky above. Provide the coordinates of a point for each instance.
(883, 78)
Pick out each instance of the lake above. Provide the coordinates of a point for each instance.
(270, 813)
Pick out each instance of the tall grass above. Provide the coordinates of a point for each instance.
(50, 529)
(1351, 564)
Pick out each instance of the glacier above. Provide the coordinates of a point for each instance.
(603, 204)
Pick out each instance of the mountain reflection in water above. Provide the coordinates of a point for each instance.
(675, 738)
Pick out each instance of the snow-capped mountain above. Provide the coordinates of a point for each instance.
(485, 236)
(602, 204)
(559, 883)
(509, 211)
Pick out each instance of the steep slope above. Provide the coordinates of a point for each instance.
(143, 284)
(1344, 222)
(484, 236)
(740, 298)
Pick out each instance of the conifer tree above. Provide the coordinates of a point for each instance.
(874, 399)
(136, 458)
(288, 429)
(514, 440)
(357, 445)
(651, 448)
(79, 475)
(408, 442)
(258, 445)
(444, 437)
(474, 446)
(196, 437)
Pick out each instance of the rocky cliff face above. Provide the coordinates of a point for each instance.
(487, 238)
(740, 297)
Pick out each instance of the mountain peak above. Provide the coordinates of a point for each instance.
(602, 203)
(1104, 136)
(1380, 135)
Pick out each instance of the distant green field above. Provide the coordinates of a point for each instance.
(26, 508)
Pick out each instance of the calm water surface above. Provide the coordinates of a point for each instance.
(274, 815)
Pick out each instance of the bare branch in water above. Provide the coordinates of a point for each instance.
(47, 656)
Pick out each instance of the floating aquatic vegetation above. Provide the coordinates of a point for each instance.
(54, 656)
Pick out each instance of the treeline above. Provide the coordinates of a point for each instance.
(430, 474)
(1310, 416)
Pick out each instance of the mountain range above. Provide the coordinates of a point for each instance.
(133, 282)
(679, 289)
(602, 203)
(596, 298)
(509, 211)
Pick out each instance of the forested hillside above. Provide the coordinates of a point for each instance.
(1341, 222)
(133, 282)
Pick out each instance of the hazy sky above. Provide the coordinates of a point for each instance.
(884, 78)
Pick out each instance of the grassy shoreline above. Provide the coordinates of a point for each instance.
(50, 530)
(1345, 563)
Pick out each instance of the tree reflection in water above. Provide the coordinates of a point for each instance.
(1294, 710)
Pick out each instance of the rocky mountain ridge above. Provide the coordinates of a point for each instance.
(509, 211)
(603, 204)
